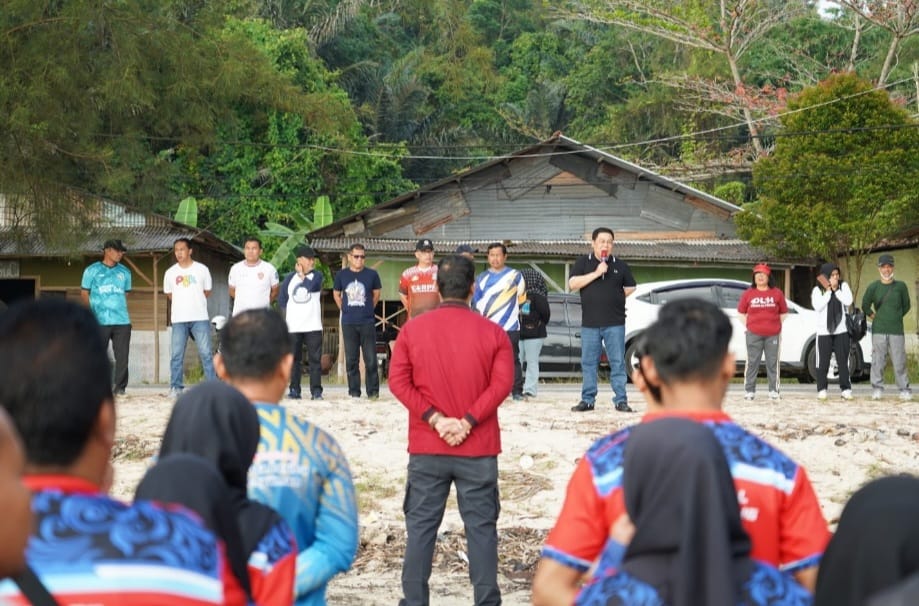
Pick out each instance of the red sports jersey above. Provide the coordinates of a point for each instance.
(420, 289)
(778, 505)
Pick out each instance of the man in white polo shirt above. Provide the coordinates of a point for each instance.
(253, 282)
(187, 285)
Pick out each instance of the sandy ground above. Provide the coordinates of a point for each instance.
(842, 445)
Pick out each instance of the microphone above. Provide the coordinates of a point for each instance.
(604, 255)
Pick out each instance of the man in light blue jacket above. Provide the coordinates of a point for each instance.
(299, 469)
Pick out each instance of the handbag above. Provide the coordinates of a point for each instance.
(856, 324)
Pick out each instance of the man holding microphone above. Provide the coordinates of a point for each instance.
(604, 283)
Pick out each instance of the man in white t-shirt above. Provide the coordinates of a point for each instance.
(187, 285)
(253, 282)
(299, 302)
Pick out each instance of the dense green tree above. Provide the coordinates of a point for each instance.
(844, 175)
(96, 96)
(269, 166)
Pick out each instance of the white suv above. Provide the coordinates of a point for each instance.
(797, 351)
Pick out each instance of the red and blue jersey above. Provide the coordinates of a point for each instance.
(778, 506)
(273, 566)
(88, 548)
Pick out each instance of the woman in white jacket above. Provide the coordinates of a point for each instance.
(830, 298)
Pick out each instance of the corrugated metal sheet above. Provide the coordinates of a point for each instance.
(722, 252)
(140, 232)
(518, 176)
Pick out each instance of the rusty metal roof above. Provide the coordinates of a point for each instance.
(141, 233)
(731, 252)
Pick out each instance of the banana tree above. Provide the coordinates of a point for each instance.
(294, 237)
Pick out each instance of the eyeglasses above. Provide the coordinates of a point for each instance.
(358, 256)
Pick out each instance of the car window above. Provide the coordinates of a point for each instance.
(701, 291)
(730, 296)
(556, 312)
(574, 312)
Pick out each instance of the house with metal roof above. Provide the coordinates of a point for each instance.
(543, 202)
(34, 266)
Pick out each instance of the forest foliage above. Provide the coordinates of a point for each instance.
(256, 108)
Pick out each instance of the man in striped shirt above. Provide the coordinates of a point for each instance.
(498, 294)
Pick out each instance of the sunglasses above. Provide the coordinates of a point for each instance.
(359, 256)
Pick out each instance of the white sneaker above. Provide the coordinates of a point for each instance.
(774, 395)
(846, 394)
(906, 395)
(821, 395)
(749, 395)
(877, 394)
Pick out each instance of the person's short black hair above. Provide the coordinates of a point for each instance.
(497, 245)
(187, 242)
(455, 275)
(356, 246)
(54, 376)
(253, 239)
(253, 343)
(689, 340)
(602, 230)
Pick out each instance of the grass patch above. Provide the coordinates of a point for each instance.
(372, 490)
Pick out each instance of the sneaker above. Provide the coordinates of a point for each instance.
(517, 397)
(877, 394)
(316, 396)
(119, 392)
(527, 394)
(293, 395)
(174, 392)
(749, 395)
(774, 395)
(373, 397)
(906, 395)
(821, 395)
(623, 407)
(582, 406)
(846, 394)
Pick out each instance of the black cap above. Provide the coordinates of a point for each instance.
(885, 260)
(424, 244)
(305, 251)
(116, 244)
(464, 248)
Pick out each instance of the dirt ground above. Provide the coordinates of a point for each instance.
(841, 444)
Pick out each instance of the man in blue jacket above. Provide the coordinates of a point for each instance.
(299, 469)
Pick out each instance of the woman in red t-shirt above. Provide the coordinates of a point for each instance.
(762, 310)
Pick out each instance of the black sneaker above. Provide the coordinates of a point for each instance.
(316, 396)
(623, 407)
(582, 407)
(293, 395)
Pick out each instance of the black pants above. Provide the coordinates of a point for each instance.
(514, 336)
(833, 344)
(313, 341)
(426, 492)
(361, 341)
(120, 336)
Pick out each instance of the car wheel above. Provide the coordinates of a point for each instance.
(631, 356)
(832, 375)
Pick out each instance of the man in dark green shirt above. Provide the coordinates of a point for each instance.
(885, 302)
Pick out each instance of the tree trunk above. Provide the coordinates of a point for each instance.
(888, 61)
(748, 115)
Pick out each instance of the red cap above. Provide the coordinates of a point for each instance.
(762, 268)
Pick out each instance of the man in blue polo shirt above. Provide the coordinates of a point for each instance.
(356, 290)
(105, 284)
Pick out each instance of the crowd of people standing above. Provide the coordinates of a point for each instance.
(251, 504)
